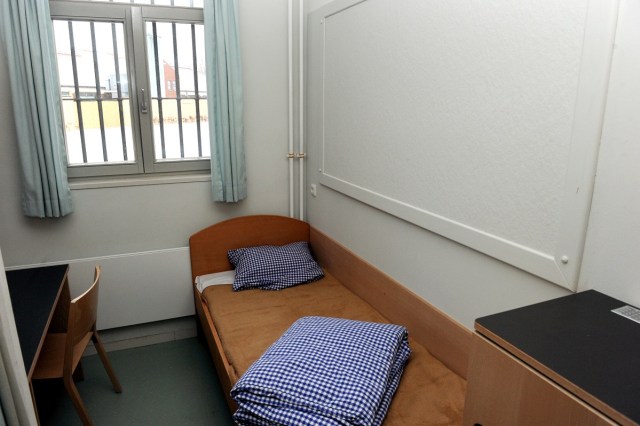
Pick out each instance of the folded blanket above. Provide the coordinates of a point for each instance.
(324, 371)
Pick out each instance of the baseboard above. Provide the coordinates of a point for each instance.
(135, 336)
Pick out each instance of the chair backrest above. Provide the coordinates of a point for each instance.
(83, 312)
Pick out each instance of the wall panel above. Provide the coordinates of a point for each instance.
(477, 121)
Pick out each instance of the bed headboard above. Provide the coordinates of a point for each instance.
(210, 245)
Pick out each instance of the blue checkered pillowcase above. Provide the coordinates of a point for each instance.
(274, 267)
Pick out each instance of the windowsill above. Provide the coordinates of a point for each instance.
(136, 180)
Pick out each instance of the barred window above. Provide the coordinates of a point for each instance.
(133, 85)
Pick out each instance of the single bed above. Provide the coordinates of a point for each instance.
(240, 326)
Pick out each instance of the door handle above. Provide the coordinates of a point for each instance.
(143, 102)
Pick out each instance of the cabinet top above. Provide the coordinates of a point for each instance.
(577, 341)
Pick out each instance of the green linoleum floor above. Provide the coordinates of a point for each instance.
(171, 383)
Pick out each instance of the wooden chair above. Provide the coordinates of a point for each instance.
(61, 352)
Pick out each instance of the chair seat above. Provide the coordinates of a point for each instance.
(50, 362)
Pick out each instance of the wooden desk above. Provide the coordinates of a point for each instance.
(567, 361)
(40, 299)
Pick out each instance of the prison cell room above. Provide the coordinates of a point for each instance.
(319, 212)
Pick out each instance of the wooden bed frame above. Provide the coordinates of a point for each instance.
(445, 338)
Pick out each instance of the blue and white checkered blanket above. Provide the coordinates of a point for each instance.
(324, 371)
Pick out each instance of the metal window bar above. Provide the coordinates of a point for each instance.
(98, 91)
(74, 67)
(158, 87)
(196, 86)
(177, 86)
(119, 91)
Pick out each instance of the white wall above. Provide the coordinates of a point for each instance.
(467, 284)
(612, 254)
(125, 220)
(461, 281)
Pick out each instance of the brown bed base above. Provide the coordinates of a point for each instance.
(444, 337)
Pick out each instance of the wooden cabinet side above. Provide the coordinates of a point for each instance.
(501, 390)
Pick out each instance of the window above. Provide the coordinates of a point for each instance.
(133, 85)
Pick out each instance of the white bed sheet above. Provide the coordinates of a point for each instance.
(218, 278)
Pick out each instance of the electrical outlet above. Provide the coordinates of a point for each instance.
(314, 190)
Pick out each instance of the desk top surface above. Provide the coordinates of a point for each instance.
(33, 294)
(579, 338)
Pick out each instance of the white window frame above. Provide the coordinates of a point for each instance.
(133, 18)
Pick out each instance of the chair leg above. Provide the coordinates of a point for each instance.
(105, 361)
(77, 402)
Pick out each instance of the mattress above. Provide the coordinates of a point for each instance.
(248, 322)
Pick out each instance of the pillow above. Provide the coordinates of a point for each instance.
(274, 267)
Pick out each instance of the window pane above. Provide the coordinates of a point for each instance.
(171, 131)
(204, 128)
(94, 87)
(72, 134)
(190, 128)
(92, 134)
(200, 63)
(178, 83)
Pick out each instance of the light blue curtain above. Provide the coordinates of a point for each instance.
(27, 33)
(224, 92)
